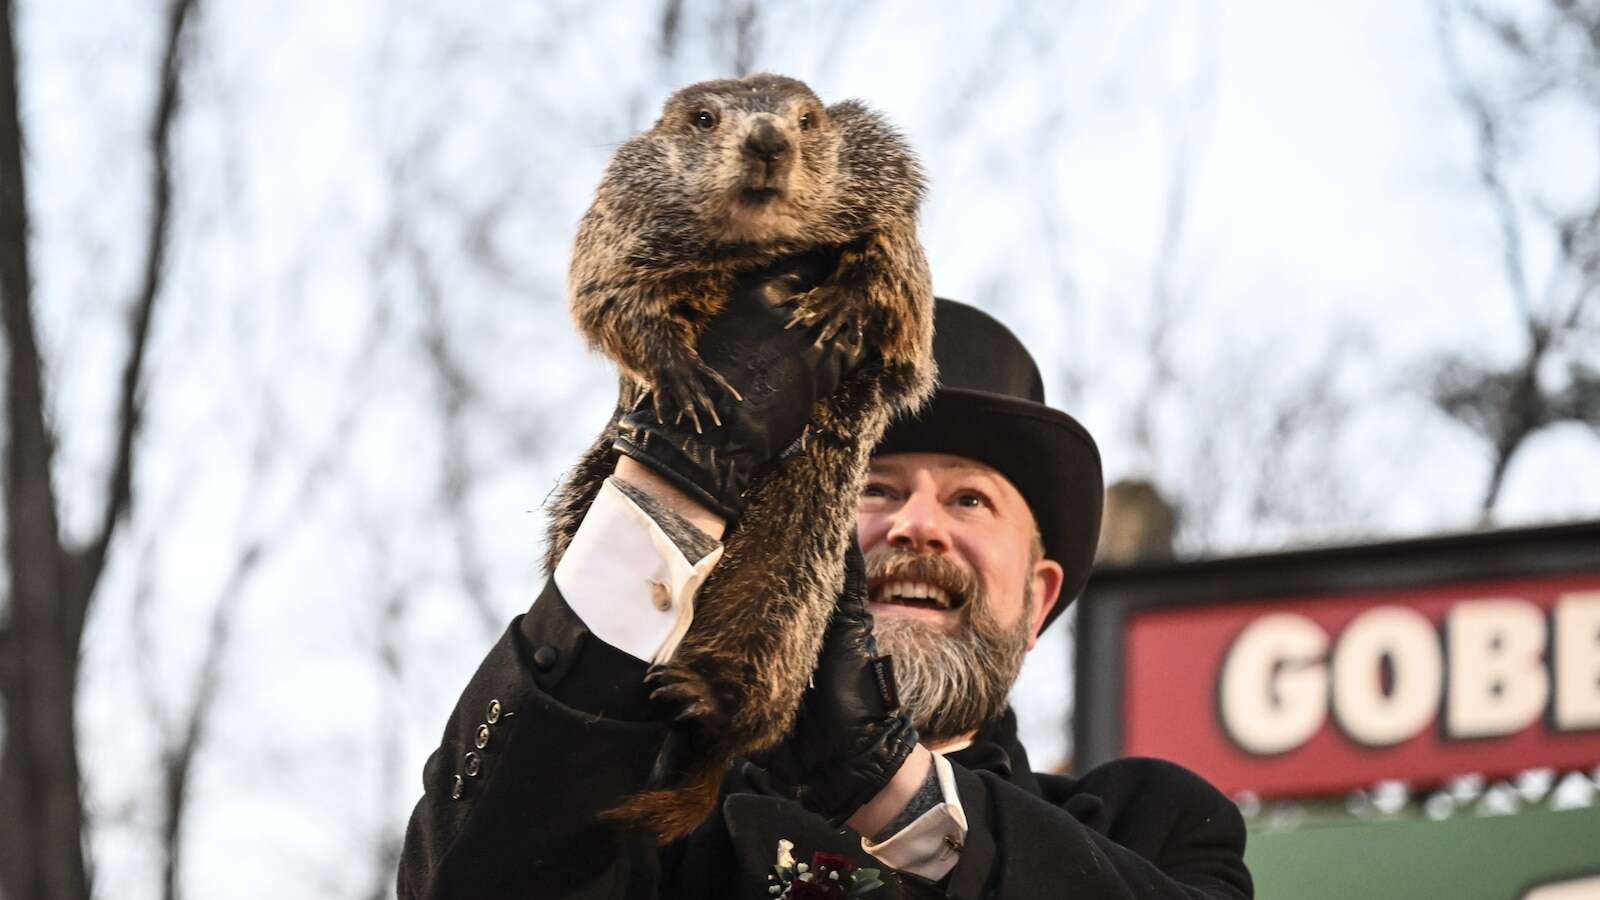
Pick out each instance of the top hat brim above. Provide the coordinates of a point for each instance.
(1045, 453)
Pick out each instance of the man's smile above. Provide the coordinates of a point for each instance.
(916, 589)
(916, 586)
(915, 593)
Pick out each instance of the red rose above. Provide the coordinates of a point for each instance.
(824, 863)
(825, 889)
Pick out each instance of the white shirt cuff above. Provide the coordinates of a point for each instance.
(931, 845)
(627, 581)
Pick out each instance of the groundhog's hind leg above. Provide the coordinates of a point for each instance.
(684, 783)
(686, 779)
(689, 694)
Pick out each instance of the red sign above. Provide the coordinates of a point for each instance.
(1322, 694)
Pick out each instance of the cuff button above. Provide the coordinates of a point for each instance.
(493, 715)
(471, 764)
(457, 787)
(482, 739)
(545, 657)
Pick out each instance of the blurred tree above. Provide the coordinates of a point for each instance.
(53, 582)
(1238, 443)
(1537, 59)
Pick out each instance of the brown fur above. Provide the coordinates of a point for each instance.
(655, 257)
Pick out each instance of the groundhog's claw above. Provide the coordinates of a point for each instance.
(689, 692)
(687, 388)
(829, 308)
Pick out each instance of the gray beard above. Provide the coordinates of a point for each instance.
(952, 684)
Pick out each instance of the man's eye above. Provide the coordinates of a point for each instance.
(971, 500)
(874, 490)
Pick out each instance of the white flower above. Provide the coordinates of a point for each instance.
(785, 857)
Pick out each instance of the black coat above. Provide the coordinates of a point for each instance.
(554, 727)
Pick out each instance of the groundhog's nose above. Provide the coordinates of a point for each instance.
(766, 143)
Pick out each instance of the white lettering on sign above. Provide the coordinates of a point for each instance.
(1274, 688)
(1385, 677)
(1584, 887)
(1577, 661)
(1374, 709)
(1498, 682)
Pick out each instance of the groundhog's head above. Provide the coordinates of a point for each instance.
(758, 157)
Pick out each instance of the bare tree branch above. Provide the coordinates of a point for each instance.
(130, 403)
(1488, 128)
(671, 28)
(41, 818)
(1505, 405)
(1585, 19)
(456, 393)
(41, 810)
(390, 661)
(177, 760)
(740, 24)
(185, 743)
(1188, 125)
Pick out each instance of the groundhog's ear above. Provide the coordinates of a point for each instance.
(668, 110)
(846, 109)
(676, 108)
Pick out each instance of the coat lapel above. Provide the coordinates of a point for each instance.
(996, 750)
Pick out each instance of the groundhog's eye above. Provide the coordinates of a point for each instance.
(805, 121)
(704, 119)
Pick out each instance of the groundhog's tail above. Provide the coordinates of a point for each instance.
(682, 792)
(670, 814)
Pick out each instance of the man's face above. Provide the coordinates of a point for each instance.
(957, 586)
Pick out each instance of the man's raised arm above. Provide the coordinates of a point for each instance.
(556, 725)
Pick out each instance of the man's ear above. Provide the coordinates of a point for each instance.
(1047, 578)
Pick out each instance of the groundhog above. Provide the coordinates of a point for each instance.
(735, 175)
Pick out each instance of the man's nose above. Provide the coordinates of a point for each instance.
(919, 526)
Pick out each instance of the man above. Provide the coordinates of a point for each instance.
(978, 524)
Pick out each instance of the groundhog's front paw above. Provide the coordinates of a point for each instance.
(689, 695)
(684, 386)
(834, 310)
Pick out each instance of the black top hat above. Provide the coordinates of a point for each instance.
(990, 407)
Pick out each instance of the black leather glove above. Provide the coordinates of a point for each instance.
(850, 737)
(779, 371)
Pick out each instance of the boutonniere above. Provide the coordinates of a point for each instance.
(828, 876)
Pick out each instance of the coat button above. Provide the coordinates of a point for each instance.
(545, 657)
(482, 740)
(471, 764)
(493, 715)
(457, 787)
